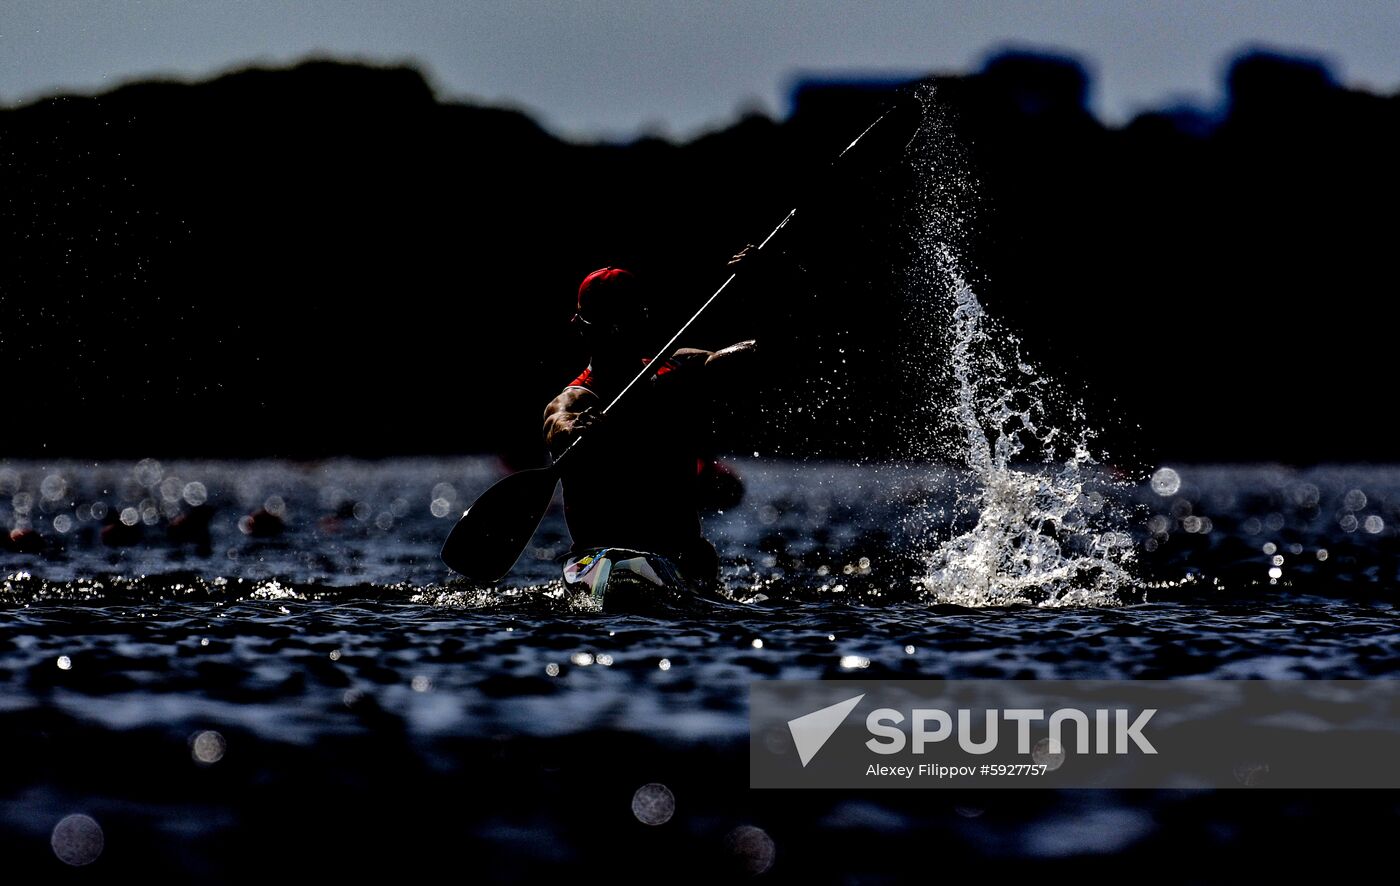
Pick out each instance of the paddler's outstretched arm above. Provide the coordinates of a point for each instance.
(729, 364)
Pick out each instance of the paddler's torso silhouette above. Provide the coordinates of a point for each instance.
(632, 484)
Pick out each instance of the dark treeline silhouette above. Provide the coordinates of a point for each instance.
(327, 259)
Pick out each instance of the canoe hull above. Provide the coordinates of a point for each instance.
(624, 580)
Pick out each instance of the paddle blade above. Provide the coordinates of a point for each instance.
(885, 140)
(491, 535)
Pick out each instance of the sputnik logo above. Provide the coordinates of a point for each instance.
(811, 731)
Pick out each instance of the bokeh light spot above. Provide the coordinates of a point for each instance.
(77, 840)
(751, 848)
(1166, 482)
(653, 804)
(1048, 753)
(208, 747)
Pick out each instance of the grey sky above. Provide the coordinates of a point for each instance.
(613, 68)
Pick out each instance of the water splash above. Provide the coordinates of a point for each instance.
(1046, 534)
(553, 596)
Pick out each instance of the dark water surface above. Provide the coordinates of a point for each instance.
(324, 701)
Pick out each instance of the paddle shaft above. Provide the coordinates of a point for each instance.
(654, 366)
(518, 502)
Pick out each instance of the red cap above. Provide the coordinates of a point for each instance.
(606, 287)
